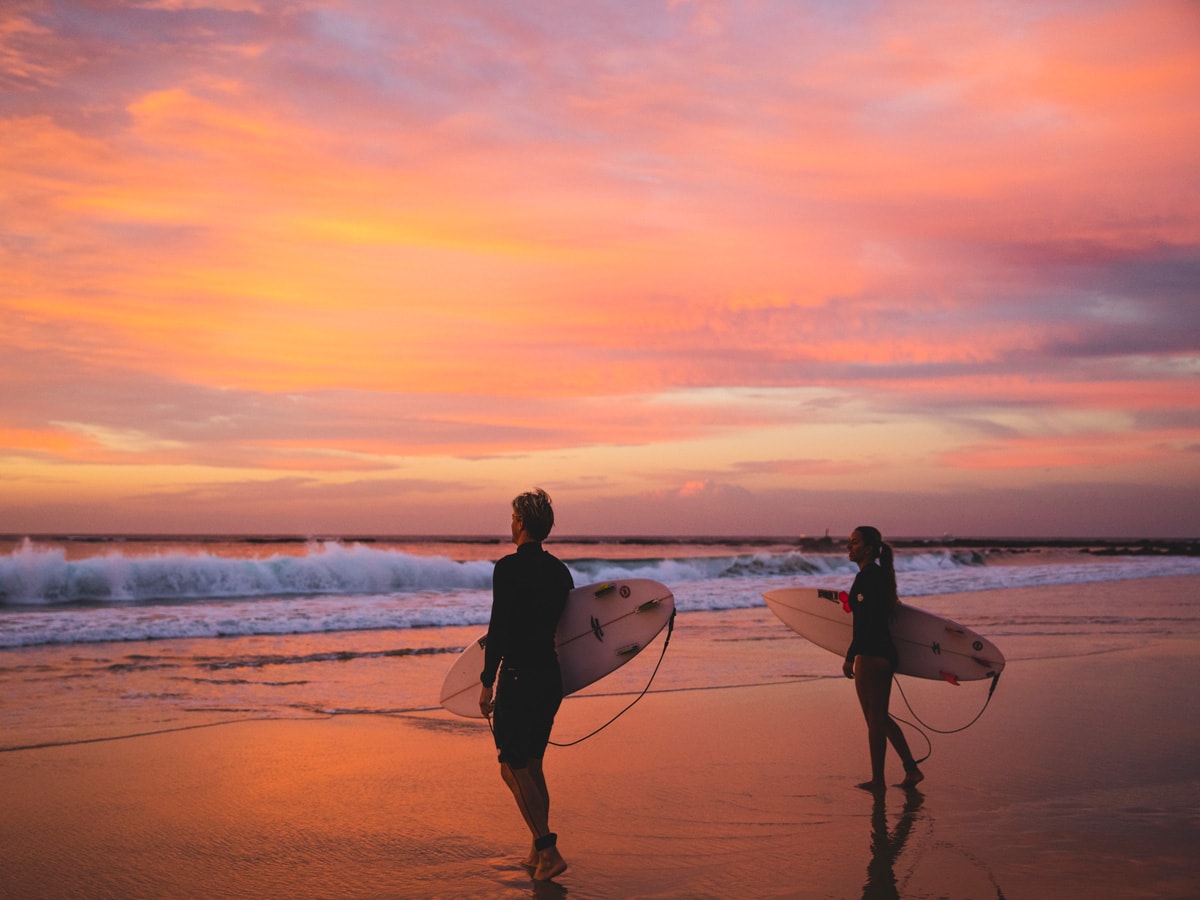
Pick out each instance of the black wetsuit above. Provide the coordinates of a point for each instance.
(872, 614)
(529, 593)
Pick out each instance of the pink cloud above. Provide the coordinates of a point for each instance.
(309, 241)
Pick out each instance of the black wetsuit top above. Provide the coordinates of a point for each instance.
(872, 614)
(529, 593)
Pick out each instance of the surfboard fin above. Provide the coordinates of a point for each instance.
(950, 677)
(649, 604)
(606, 588)
(628, 649)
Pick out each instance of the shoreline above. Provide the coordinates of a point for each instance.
(1078, 780)
(740, 791)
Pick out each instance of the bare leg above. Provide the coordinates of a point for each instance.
(528, 786)
(873, 682)
(549, 862)
(912, 775)
(533, 804)
(539, 777)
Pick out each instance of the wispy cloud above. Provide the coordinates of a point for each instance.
(634, 248)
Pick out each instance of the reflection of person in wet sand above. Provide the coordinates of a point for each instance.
(886, 846)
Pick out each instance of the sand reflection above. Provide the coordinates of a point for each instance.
(887, 844)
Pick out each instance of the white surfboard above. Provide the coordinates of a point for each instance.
(602, 627)
(928, 646)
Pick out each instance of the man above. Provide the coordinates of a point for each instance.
(529, 593)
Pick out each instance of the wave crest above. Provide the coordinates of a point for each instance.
(43, 575)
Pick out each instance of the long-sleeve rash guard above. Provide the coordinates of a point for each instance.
(529, 593)
(872, 616)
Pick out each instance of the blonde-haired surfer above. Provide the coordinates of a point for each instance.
(529, 593)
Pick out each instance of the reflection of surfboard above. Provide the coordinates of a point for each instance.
(603, 627)
(928, 645)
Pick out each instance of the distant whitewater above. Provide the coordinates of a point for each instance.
(35, 574)
(64, 591)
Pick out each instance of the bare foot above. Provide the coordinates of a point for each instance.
(530, 862)
(875, 787)
(550, 864)
(912, 778)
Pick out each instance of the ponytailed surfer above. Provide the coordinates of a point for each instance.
(529, 593)
(871, 659)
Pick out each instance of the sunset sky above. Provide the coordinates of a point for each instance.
(728, 268)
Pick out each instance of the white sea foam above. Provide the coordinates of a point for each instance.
(43, 575)
(47, 598)
(35, 575)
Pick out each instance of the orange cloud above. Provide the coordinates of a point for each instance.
(337, 240)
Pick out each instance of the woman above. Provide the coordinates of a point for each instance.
(529, 593)
(871, 659)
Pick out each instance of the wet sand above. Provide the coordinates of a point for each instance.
(1080, 779)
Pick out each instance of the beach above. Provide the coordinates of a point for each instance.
(1079, 779)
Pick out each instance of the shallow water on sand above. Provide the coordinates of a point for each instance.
(733, 777)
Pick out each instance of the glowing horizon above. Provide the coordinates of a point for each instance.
(694, 267)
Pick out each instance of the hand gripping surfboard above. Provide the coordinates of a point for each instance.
(929, 646)
(603, 626)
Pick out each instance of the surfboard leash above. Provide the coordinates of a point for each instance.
(924, 737)
(924, 724)
(645, 690)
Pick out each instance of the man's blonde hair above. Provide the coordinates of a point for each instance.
(535, 512)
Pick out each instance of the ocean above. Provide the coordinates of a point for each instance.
(105, 637)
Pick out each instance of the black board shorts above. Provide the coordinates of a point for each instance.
(526, 702)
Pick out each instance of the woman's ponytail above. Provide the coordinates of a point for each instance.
(882, 551)
(887, 562)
